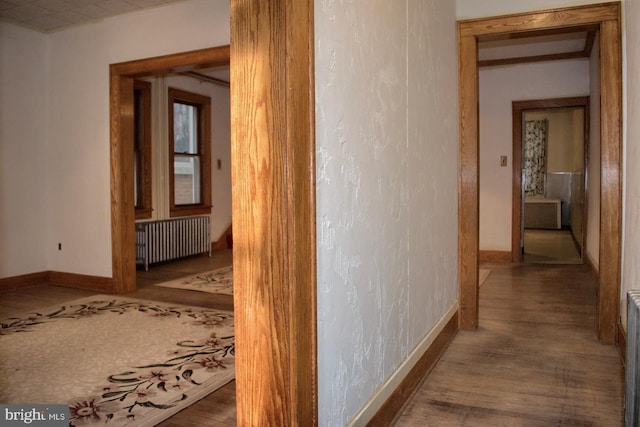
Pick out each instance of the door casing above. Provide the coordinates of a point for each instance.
(607, 17)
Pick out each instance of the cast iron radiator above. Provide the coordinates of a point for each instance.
(632, 359)
(169, 239)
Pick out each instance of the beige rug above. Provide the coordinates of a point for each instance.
(218, 281)
(482, 276)
(116, 361)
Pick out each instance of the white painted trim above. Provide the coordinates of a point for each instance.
(393, 382)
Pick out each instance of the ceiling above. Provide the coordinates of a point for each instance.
(53, 15)
(48, 16)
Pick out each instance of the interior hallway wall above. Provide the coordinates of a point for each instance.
(387, 147)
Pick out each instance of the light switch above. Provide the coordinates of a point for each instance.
(503, 160)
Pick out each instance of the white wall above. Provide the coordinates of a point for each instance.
(386, 193)
(23, 154)
(498, 87)
(631, 242)
(78, 201)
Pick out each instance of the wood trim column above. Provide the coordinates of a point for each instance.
(610, 180)
(273, 174)
(516, 192)
(468, 193)
(122, 199)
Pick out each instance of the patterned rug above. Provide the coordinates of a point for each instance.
(116, 361)
(218, 281)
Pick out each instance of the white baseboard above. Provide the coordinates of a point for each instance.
(384, 392)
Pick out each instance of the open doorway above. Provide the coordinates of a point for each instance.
(182, 176)
(274, 237)
(550, 146)
(606, 17)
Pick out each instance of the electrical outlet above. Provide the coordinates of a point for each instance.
(503, 160)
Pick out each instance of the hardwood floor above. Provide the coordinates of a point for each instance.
(534, 361)
(215, 410)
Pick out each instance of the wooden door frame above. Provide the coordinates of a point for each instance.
(121, 77)
(607, 17)
(273, 201)
(518, 108)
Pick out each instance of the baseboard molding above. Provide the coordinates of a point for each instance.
(621, 344)
(71, 280)
(81, 281)
(24, 281)
(495, 256)
(386, 405)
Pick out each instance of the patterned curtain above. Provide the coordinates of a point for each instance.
(534, 156)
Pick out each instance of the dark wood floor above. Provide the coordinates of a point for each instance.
(534, 361)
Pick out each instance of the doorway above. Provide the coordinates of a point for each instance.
(607, 18)
(273, 204)
(549, 204)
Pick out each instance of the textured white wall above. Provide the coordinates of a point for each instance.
(498, 87)
(23, 161)
(631, 267)
(78, 200)
(386, 190)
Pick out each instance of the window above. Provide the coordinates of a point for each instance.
(189, 153)
(142, 148)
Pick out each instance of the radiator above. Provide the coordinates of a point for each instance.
(165, 240)
(632, 359)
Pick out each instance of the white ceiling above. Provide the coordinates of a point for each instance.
(52, 15)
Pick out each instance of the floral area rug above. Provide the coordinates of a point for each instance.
(116, 361)
(218, 281)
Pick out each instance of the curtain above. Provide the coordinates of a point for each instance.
(534, 156)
